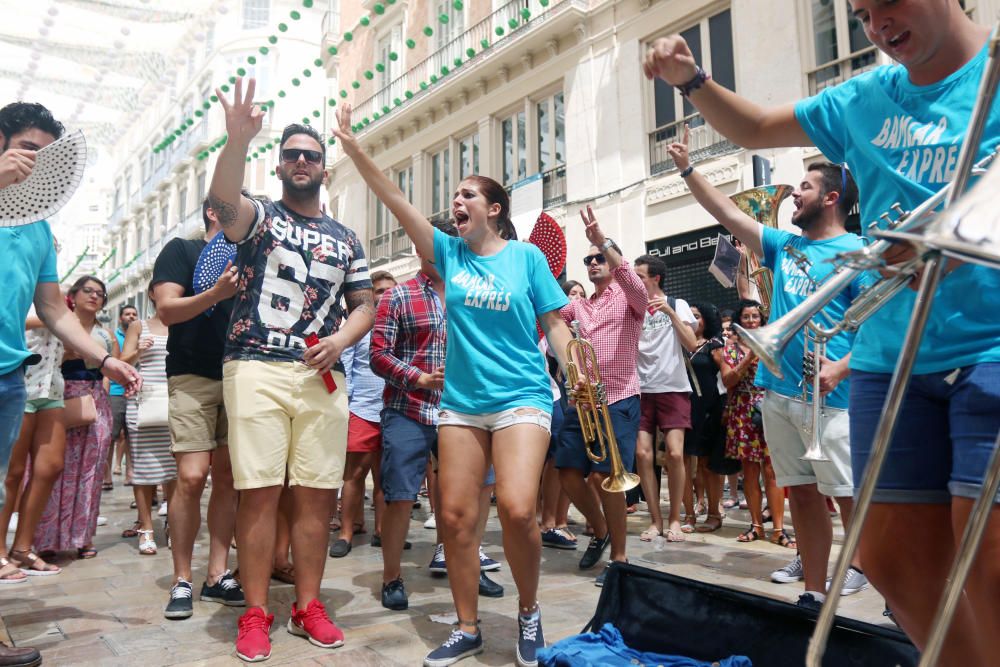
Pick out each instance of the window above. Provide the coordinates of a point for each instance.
(201, 187)
(514, 134)
(840, 47)
(164, 216)
(468, 155)
(389, 44)
(440, 181)
(551, 133)
(445, 32)
(404, 179)
(182, 198)
(255, 13)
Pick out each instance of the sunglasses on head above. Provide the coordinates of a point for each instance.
(601, 259)
(293, 155)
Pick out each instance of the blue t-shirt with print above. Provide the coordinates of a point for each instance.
(791, 287)
(493, 362)
(902, 142)
(27, 257)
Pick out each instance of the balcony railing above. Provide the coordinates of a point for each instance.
(385, 99)
(554, 187)
(704, 143)
(838, 71)
(389, 246)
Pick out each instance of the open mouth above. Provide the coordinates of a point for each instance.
(899, 40)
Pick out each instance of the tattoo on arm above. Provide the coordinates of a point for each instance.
(362, 299)
(224, 211)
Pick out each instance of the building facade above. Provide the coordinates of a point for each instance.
(560, 95)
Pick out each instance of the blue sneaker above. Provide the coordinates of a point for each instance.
(459, 645)
(809, 601)
(529, 639)
(555, 538)
(438, 566)
(487, 564)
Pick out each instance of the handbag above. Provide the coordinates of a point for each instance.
(80, 411)
(152, 403)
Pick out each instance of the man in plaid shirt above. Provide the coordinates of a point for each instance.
(611, 319)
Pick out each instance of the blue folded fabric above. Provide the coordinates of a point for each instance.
(606, 648)
(211, 263)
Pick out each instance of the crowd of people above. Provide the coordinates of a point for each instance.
(274, 364)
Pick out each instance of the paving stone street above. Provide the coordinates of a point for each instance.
(109, 610)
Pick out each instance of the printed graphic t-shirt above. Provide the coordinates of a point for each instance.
(493, 362)
(791, 287)
(660, 363)
(293, 272)
(902, 142)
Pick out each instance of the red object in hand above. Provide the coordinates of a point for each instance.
(311, 341)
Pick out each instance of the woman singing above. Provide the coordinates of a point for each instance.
(497, 398)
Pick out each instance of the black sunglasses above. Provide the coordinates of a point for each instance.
(293, 155)
(601, 259)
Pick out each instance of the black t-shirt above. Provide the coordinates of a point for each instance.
(193, 347)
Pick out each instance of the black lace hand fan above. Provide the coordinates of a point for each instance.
(57, 173)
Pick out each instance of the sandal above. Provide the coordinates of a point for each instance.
(32, 565)
(11, 573)
(285, 575)
(107, 486)
(648, 534)
(730, 503)
(147, 546)
(767, 516)
(133, 531)
(689, 522)
(781, 538)
(752, 534)
(712, 524)
(674, 536)
(86, 553)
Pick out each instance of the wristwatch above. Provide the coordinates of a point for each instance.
(608, 243)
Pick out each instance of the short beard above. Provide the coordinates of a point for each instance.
(806, 218)
(296, 191)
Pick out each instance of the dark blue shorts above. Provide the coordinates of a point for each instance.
(944, 437)
(624, 420)
(406, 446)
(558, 417)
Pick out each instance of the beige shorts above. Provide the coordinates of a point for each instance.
(197, 414)
(283, 420)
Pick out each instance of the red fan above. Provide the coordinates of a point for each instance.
(552, 242)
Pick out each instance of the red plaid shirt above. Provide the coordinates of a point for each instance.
(408, 340)
(612, 322)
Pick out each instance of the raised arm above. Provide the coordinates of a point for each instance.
(243, 121)
(718, 205)
(740, 120)
(623, 273)
(413, 222)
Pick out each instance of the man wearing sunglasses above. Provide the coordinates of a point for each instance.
(283, 383)
(611, 319)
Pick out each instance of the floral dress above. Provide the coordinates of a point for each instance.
(744, 439)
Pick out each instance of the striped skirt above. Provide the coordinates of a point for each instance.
(152, 462)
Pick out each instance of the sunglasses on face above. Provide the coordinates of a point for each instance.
(601, 259)
(293, 155)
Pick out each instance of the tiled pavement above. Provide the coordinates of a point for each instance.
(109, 610)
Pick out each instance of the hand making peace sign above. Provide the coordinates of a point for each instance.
(243, 118)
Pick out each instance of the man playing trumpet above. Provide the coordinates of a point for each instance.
(822, 200)
(900, 129)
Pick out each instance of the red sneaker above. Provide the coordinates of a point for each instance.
(315, 625)
(252, 641)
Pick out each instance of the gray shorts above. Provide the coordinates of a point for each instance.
(117, 417)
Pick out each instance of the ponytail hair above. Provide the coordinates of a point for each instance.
(496, 194)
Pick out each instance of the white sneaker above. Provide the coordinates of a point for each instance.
(163, 509)
(790, 573)
(102, 521)
(431, 522)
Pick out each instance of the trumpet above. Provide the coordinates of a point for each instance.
(592, 410)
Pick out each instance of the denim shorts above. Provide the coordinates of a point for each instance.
(558, 417)
(406, 446)
(944, 437)
(571, 452)
(13, 396)
(496, 421)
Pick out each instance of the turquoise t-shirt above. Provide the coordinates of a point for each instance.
(791, 287)
(116, 389)
(27, 257)
(493, 362)
(902, 142)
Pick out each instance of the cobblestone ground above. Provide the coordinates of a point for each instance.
(109, 610)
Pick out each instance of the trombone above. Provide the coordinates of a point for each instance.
(592, 409)
(934, 266)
